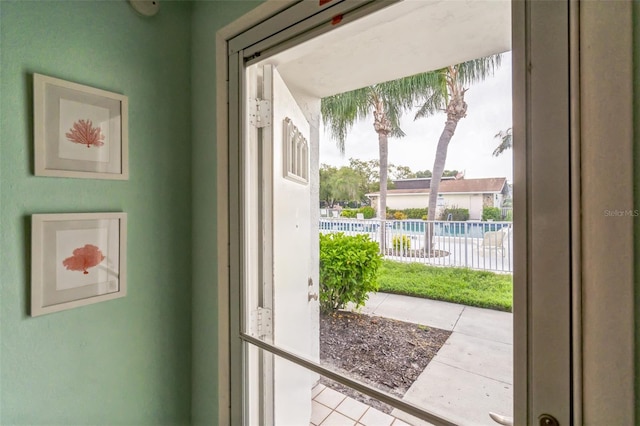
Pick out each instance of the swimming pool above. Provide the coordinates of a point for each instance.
(450, 229)
(415, 227)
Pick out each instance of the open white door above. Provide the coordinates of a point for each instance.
(292, 284)
(284, 308)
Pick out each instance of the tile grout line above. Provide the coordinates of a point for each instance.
(335, 410)
(365, 412)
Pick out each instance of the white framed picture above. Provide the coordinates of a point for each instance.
(77, 259)
(79, 131)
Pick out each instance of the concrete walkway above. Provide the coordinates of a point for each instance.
(472, 373)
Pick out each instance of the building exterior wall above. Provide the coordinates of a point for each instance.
(473, 202)
(400, 202)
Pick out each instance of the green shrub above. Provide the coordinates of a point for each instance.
(399, 215)
(348, 270)
(368, 212)
(457, 213)
(406, 214)
(492, 213)
(348, 213)
(509, 217)
(415, 213)
(401, 242)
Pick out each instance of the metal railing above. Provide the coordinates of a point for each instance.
(477, 245)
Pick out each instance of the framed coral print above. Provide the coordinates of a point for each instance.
(79, 131)
(77, 259)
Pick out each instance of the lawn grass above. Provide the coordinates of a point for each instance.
(458, 285)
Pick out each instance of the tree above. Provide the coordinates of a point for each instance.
(346, 185)
(400, 172)
(448, 96)
(386, 101)
(506, 140)
(369, 172)
(343, 184)
(327, 177)
(422, 174)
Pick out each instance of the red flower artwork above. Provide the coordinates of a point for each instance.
(84, 258)
(84, 133)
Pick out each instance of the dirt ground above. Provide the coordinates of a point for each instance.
(381, 352)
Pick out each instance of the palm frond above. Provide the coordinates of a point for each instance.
(436, 101)
(394, 113)
(341, 111)
(435, 97)
(405, 92)
(506, 141)
(477, 69)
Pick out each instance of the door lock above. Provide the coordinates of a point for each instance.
(548, 420)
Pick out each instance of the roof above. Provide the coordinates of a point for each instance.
(460, 186)
(416, 183)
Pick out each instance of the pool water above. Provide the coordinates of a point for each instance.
(417, 227)
(450, 229)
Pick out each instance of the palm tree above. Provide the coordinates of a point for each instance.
(506, 141)
(386, 101)
(449, 97)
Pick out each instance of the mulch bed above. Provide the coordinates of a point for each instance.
(382, 352)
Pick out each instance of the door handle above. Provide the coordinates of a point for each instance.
(548, 420)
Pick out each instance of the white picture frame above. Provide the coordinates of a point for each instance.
(79, 131)
(77, 259)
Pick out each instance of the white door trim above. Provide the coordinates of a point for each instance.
(542, 212)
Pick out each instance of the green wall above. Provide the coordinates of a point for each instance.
(126, 361)
(208, 18)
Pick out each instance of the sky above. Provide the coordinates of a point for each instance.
(488, 112)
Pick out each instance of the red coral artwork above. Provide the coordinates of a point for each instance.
(84, 133)
(84, 258)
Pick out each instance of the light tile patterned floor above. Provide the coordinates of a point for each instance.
(331, 408)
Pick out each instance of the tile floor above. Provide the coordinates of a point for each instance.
(331, 408)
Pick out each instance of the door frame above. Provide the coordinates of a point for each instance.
(602, 315)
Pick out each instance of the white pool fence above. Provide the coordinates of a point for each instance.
(471, 244)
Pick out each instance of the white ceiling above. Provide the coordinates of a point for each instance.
(407, 38)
